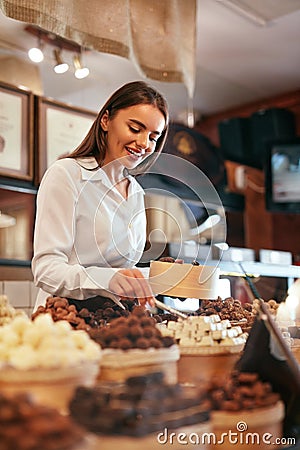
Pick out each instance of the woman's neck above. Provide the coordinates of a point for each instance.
(115, 171)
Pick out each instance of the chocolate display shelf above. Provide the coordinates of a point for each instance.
(134, 413)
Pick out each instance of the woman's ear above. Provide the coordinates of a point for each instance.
(104, 121)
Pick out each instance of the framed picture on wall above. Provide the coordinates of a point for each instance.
(60, 128)
(16, 233)
(16, 132)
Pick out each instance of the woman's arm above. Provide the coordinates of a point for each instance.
(54, 238)
(54, 235)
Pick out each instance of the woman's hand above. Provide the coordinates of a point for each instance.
(130, 283)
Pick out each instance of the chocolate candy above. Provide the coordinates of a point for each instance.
(136, 331)
(103, 311)
(143, 404)
(242, 390)
(25, 425)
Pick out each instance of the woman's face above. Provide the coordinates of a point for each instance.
(132, 134)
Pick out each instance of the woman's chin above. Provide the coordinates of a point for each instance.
(131, 162)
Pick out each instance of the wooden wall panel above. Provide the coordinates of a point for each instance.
(209, 125)
(262, 229)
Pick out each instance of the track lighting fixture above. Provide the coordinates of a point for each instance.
(60, 66)
(80, 71)
(61, 44)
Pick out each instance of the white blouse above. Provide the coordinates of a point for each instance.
(84, 230)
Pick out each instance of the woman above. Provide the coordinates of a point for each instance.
(90, 226)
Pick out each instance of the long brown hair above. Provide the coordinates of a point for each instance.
(130, 94)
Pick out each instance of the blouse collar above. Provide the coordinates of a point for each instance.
(98, 174)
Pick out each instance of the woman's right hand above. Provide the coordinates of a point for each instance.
(130, 283)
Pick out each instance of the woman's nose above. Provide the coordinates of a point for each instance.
(143, 141)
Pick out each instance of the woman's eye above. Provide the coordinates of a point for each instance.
(134, 130)
(152, 139)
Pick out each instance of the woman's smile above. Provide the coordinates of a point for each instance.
(135, 153)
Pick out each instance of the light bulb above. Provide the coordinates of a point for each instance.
(35, 54)
(61, 68)
(82, 73)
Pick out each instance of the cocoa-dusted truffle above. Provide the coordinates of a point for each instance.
(139, 329)
(121, 331)
(148, 332)
(139, 311)
(136, 332)
(147, 321)
(143, 343)
(155, 342)
(132, 320)
(124, 344)
(115, 343)
(119, 321)
(107, 335)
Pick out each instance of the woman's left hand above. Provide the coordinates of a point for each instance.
(130, 283)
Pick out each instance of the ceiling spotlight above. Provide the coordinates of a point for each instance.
(36, 54)
(60, 67)
(80, 71)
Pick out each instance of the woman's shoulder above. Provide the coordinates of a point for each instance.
(60, 168)
(66, 163)
(64, 170)
(72, 165)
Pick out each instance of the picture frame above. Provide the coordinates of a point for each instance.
(16, 132)
(19, 205)
(60, 129)
(282, 175)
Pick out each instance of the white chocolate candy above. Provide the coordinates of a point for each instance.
(204, 331)
(7, 311)
(80, 338)
(63, 327)
(92, 351)
(23, 357)
(41, 343)
(206, 341)
(10, 338)
(32, 336)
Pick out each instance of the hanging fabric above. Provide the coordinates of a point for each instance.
(158, 36)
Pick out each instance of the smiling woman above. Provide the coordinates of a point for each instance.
(94, 207)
